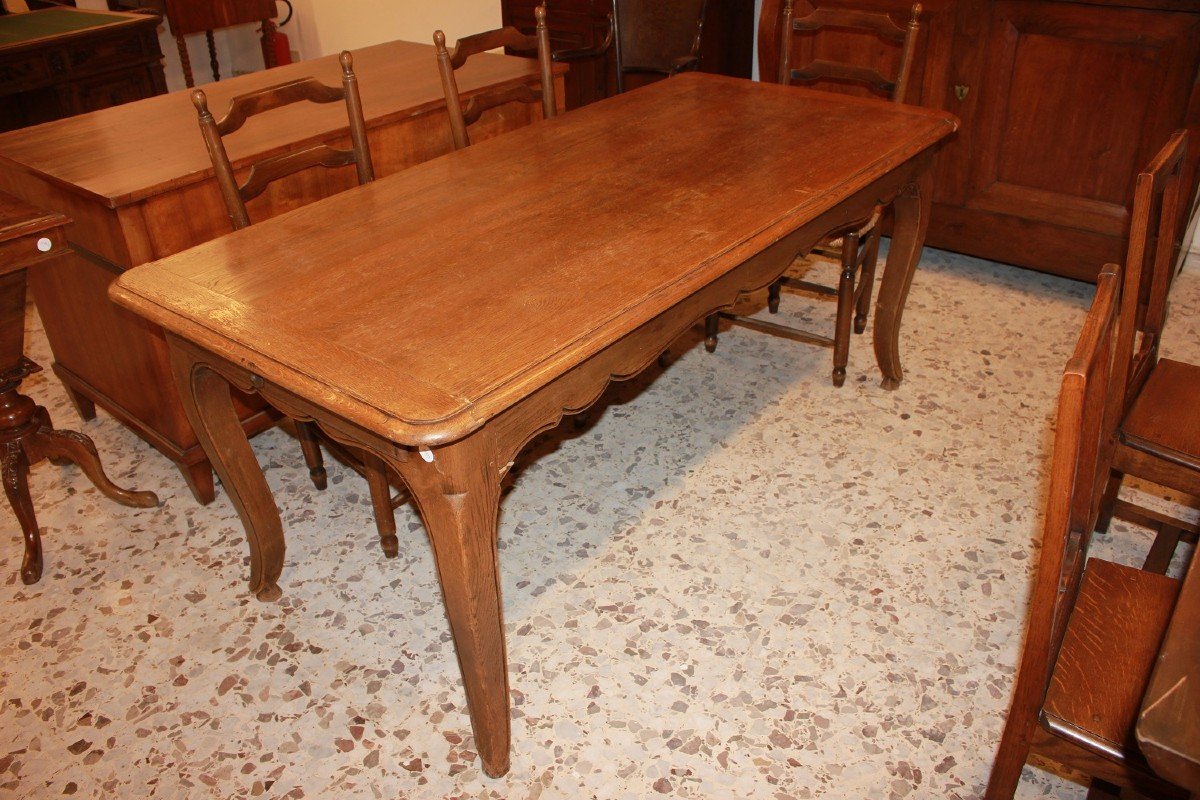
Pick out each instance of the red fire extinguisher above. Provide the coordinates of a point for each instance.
(283, 49)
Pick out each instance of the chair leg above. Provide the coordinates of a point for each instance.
(306, 432)
(1109, 501)
(845, 308)
(710, 332)
(773, 293)
(866, 283)
(381, 502)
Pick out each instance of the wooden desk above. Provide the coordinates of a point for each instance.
(29, 236)
(467, 309)
(60, 62)
(139, 185)
(1168, 728)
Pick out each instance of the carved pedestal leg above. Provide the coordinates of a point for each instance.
(911, 208)
(27, 438)
(206, 400)
(78, 448)
(458, 494)
(15, 469)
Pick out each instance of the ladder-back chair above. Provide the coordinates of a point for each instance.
(467, 113)
(260, 176)
(856, 248)
(1095, 627)
(1158, 431)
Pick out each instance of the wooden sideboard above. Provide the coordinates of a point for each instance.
(726, 48)
(139, 185)
(1062, 103)
(60, 62)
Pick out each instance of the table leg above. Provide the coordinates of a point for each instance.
(458, 494)
(911, 220)
(209, 408)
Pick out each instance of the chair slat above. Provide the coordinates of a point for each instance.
(825, 17)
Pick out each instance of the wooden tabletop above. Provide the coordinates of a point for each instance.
(433, 299)
(1168, 728)
(127, 153)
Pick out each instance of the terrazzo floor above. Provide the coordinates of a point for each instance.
(736, 582)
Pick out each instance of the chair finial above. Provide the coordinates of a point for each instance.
(439, 40)
(916, 13)
(200, 101)
(539, 14)
(347, 62)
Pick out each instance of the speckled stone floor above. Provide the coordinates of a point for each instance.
(737, 582)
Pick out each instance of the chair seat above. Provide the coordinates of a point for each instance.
(1165, 419)
(1107, 655)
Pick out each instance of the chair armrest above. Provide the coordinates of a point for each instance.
(586, 52)
(685, 64)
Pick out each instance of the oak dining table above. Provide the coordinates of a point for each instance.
(444, 316)
(137, 182)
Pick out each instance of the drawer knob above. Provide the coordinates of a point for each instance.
(44, 244)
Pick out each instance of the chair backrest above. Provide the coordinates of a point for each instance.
(462, 115)
(262, 173)
(1149, 266)
(821, 69)
(1079, 471)
(657, 35)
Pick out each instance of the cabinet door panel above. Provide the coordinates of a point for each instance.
(1075, 100)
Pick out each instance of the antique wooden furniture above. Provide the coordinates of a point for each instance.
(583, 28)
(187, 17)
(655, 37)
(268, 170)
(1095, 627)
(1157, 427)
(139, 185)
(468, 113)
(857, 248)
(471, 255)
(1041, 173)
(29, 236)
(1168, 727)
(59, 62)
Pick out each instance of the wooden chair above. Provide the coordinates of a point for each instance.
(262, 174)
(650, 37)
(464, 114)
(1095, 627)
(856, 247)
(1158, 434)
